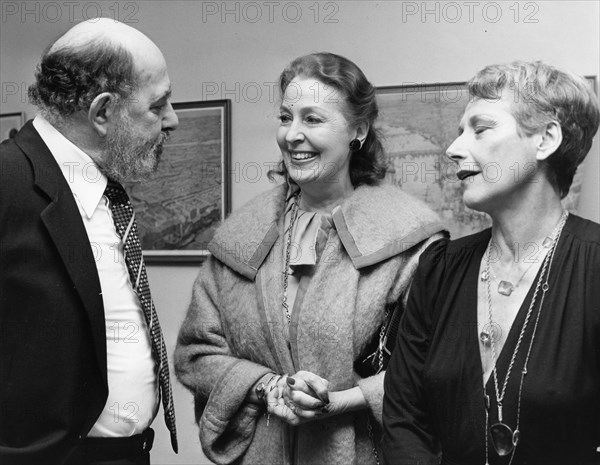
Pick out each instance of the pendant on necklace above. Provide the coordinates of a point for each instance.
(503, 438)
(484, 275)
(485, 338)
(505, 288)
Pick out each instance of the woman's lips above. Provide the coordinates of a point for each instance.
(302, 156)
(464, 174)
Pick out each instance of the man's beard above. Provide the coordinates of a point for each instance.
(129, 157)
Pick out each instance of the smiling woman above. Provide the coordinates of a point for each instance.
(336, 80)
(325, 256)
(314, 138)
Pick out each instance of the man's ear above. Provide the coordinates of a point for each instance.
(550, 140)
(102, 109)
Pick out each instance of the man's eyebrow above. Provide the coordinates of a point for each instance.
(164, 97)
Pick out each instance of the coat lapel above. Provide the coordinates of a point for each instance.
(63, 222)
(245, 240)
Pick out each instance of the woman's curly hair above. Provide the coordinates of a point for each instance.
(369, 164)
(70, 78)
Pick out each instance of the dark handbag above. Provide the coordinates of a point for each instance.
(376, 355)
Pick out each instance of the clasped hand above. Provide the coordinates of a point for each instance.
(305, 397)
(299, 398)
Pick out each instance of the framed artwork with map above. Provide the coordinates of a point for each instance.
(180, 207)
(418, 124)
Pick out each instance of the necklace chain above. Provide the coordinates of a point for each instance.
(505, 287)
(511, 286)
(547, 264)
(288, 248)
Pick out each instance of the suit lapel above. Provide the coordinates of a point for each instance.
(63, 222)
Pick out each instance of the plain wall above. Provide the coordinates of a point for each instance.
(236, 50)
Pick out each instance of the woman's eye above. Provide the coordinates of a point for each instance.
(313, 120)
(284, 118)
(480, 130)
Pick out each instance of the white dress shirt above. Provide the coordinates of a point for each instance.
(132, 378)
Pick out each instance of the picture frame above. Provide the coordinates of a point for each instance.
(418, 123)
(180, 207)
(10, 123)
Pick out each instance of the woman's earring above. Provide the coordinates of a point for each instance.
(355, 145)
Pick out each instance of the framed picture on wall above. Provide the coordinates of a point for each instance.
(418, 123)
(10, 123)
(179, 209)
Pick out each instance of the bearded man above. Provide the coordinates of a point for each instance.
(82, 360)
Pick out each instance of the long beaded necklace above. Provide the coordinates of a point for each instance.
(504, 439)
(486, 332)
(288, 248)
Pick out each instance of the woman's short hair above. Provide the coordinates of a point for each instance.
(69, 79)
(367, 165)
(543, 93)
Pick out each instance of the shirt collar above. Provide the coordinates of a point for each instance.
(81, 172)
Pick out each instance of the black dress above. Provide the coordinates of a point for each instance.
(434, 397)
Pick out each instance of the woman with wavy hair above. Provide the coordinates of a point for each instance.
(298, 284)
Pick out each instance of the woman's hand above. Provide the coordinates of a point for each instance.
(306, 387)
(306, 395)
(276, 404)
(345, 401)
(293, 399)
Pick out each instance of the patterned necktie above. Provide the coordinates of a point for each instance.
(124, 219)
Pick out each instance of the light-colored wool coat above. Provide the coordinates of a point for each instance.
(235, 328)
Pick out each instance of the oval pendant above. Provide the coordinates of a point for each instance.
(502, 439)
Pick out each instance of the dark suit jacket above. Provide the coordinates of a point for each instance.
(53, 381)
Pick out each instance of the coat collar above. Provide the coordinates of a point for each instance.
(63, 222)
(374, 224)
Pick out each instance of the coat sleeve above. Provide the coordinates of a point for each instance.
(373, 387)
(218, 380)
(408, 433)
